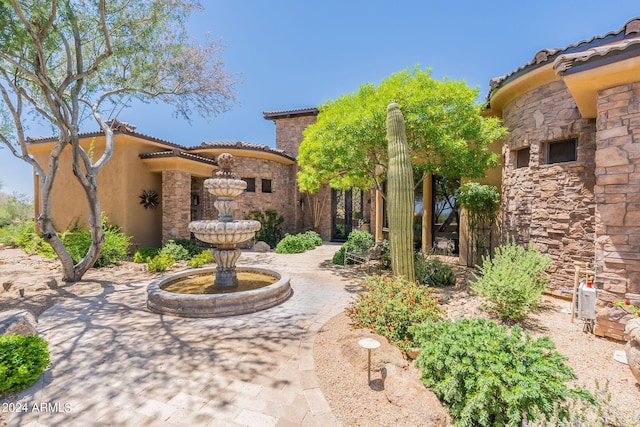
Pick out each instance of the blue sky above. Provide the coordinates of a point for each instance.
(298, 54)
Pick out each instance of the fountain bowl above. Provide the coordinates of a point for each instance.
(217, 305)
(219, 232)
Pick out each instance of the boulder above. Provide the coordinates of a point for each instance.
(633, 347)
(381, 356)
(261, 246)
(17, 322)
(404, 388)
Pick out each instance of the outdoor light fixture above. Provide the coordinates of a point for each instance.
(369, 344)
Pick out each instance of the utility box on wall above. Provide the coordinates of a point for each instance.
(586, 302)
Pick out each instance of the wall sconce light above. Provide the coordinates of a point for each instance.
(301, 202)
(195, 200)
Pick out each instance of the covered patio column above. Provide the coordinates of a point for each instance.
(176, 205)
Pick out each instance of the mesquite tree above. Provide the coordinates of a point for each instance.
(64, 62)
(400, 196)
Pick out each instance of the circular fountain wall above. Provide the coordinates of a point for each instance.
(224, 297)
(217, 305)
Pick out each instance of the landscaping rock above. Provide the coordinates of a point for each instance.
(633, 347)
(380, 357)
(261, 246)
(404, 388)
(17, 322)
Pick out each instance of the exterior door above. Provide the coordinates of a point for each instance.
(446, 215)
(346, 211)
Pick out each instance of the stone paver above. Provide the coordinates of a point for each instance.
(116, 363)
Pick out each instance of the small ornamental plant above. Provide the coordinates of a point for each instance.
(391, 305)
(628, 307)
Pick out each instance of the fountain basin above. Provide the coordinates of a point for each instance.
(225, 187)
(219, 232)
(217, 305)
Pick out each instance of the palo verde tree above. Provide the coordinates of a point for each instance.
(65, 62)
(446, 133)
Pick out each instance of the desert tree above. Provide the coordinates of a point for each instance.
(445, 129)
(69, 62)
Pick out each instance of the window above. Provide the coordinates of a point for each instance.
(251, 184)
(522, 157)
(562, 151)
(266, 186)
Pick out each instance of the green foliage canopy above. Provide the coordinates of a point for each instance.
(447, 135)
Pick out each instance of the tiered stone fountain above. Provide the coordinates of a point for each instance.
(233, 290)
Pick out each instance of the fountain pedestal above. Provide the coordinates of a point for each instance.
(226, 232)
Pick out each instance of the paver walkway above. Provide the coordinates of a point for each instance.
(116, 363)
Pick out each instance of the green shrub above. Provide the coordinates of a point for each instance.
(160, 263)
(77, 241)
(191, 246)
(489, 376)
(358, 241)
(17, 233)
(15, 209)
(142, 255)
(175, 250)
(290, 244)
(311, 239)
(271, 230)
(391, 306)
(433, 272)
(201, 259)
(581, 412)
(23, 358)
(295, 244)
(385, 255)
(513, 281)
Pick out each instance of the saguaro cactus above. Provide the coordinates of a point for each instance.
(400, 195)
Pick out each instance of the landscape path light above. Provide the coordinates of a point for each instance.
(369, 344)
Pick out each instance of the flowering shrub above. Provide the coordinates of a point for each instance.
(628, 307)
(391, 305)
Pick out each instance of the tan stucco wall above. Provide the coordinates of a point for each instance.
(120, 184)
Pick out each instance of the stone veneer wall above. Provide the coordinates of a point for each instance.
(618, 206)
(281, 198)
(289, 132)
(176, 199)
(552, 205)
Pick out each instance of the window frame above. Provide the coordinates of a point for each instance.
(264, 181)
(251, 184)
(550, 144)
(518, 152)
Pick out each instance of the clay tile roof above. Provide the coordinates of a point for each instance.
(117, 127)
(281, 114)
(581, 51)
(243, 146)
(177, 153)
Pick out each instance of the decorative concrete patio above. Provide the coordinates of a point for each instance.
(116, 363)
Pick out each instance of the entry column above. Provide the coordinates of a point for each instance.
(176, 205)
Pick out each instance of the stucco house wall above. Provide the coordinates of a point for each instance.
(120, 183)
